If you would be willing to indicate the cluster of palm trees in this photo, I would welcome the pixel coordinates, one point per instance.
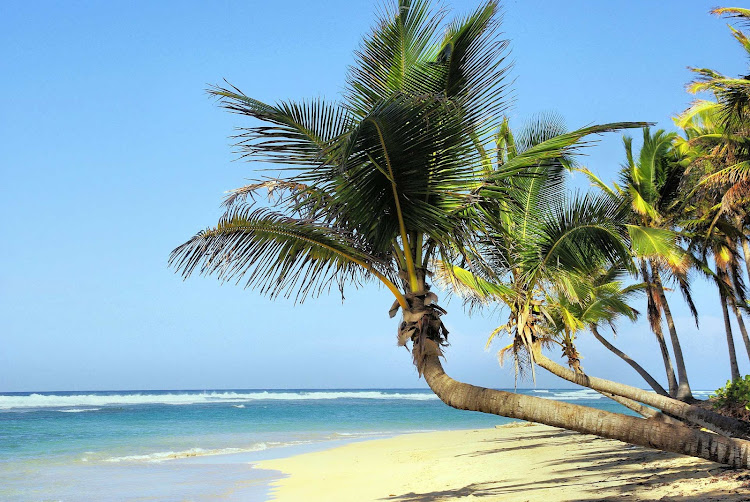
(416, 174)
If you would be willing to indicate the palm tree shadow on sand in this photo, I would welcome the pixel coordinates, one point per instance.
(603, 478)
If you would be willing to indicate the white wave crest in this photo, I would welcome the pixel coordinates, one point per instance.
(186, 398)
(78, 410)
(575, 395)
(193, 452)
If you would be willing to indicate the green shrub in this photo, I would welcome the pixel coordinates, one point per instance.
(733, 398)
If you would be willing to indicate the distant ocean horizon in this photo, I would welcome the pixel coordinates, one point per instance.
(201, 444)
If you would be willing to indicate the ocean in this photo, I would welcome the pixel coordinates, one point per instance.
(200, 445)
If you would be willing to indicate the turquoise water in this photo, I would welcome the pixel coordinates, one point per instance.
(200, 445)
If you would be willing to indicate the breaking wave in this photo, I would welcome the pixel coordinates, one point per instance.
(193, 452)
(78, 401)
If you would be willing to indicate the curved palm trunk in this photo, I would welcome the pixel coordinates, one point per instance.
(733, 368)
(644, 411)
(683, 386)
(649, 433)
(746, 251)
(656, 329)
(689, 413)
(637, 367)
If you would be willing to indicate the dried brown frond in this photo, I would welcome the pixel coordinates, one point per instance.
(273, 186)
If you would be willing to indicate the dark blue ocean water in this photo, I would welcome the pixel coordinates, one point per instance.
(197, 445)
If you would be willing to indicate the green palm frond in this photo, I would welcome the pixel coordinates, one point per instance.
(474, 59)
(475, 290)
(658, 244)
(396, 57)
(562, 146)
(577, 234)
(277, 255)
(409, 161)
(649, 172)
(699, 116)
(302, 134)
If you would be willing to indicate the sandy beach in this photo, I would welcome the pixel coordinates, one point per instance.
(515, 462)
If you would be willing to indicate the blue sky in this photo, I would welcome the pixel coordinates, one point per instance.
(112, 155)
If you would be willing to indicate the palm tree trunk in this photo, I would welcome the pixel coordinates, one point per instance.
(642, 410)
(689, 413)
(683, 387)
(740, 323)
(746, 252)
(656, 328)
(649, 433)
(733, 368)
(740, 320)
(637, 367)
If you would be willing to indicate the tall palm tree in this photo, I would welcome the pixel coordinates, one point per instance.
(391, 178)
(650, 187)
(719, 131)
(716, 209)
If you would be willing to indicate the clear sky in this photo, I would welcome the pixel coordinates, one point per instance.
(112, 155)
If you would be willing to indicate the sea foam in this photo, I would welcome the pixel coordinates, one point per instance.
(77, 401)
(193, 452)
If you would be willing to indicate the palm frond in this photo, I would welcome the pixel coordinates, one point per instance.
(474, 57)
(277, 255)
(473, 289)
(275, 189)
(743, 15)
(578, 235)
(396, 57)
(303, 134)
(658, 244)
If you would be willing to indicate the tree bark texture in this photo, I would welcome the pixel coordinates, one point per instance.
(656, 328)
(716, 422)
(733, 368)
(683, 386)
(649, 433)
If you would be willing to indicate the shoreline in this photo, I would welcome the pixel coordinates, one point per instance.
(513, 462)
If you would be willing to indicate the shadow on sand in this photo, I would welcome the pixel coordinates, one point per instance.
(603, 474)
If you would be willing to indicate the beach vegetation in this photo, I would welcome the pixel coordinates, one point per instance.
(734, 398)
(415, 171)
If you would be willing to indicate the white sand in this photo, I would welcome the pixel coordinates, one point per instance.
(517, 462)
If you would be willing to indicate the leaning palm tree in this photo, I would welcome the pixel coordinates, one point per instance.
(390, 178)
(540, 244)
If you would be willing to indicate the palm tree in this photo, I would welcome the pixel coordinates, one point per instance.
(600, 298)
(718, 131)
(389, 179)
(718, 238)
(733, 94)
(716, 208)
(545, 248)
(649, 187)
